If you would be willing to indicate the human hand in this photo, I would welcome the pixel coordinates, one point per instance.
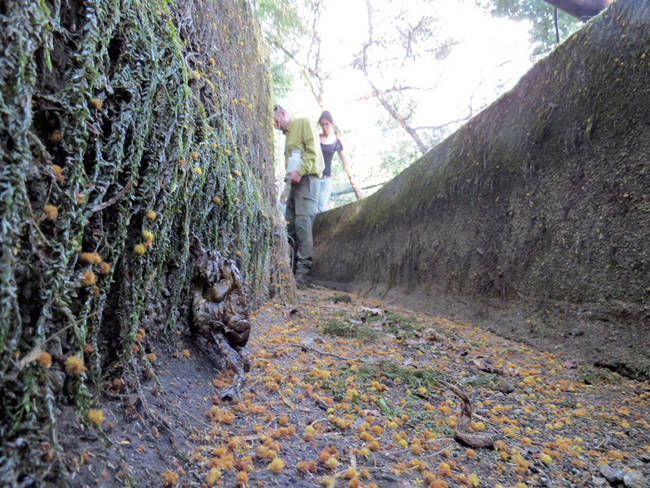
(293, 177)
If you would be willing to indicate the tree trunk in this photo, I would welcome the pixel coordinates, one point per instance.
(124, 127)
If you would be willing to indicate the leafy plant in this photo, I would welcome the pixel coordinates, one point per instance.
(340, 328)
(411, 378)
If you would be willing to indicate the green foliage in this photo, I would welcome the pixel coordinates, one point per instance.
(406, 326)
(388, 370)
(540, 14)
(401, 153)
(592, 375)
(99, 105)
(284, 33)
(340, 297)
(339, 328)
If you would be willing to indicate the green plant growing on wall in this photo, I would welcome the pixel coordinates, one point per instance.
(124, 126)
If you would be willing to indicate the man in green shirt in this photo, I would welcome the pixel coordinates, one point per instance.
(301, 149)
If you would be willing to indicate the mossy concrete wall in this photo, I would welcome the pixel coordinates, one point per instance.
(543, 197)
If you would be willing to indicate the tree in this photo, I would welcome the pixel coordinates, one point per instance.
(399, 38)
(123, 130)
(290, 28)
(547, 25)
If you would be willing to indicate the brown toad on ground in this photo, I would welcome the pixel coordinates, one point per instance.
(220, 310)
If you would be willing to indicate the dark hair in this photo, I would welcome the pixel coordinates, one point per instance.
(327, 116)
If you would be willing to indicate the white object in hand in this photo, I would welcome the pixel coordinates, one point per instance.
(294, 160)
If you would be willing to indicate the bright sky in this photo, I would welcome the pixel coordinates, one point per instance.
(490, 57)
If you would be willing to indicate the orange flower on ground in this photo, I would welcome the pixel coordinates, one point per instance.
(276, 466)
(213, 475)
(169, 478)
(95, 417)
(241, 478)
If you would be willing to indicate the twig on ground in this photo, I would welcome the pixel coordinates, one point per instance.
(439, 439)
(334, 307)
(464, 422)
(305, 347)
(317, 421)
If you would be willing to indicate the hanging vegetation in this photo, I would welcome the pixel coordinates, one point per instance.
(125, 125)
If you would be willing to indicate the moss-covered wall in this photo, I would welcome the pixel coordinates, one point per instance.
(125, 125)
(543, 196)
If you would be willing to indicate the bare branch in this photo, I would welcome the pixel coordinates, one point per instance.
(362, 64)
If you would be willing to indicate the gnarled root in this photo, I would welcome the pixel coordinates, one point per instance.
(464, 420)
(235, 362)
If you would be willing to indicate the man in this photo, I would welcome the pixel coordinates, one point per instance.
(302, 204)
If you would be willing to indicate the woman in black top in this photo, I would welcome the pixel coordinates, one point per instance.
(329, 144)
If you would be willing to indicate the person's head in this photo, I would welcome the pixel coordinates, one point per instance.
(326, 123)
(281, 118)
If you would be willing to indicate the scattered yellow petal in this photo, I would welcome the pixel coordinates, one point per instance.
(213, 475)
(276, 466)
(169, 478)
(327, 481)
(95, 417)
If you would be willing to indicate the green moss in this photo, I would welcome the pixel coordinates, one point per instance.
(340, 328)
(115, 79)
(388, 370)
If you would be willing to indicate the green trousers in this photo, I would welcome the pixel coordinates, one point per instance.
(302, 206)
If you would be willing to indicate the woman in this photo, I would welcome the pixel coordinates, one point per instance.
(330, 144)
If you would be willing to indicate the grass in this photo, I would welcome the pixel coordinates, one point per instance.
(481, 381)
(410, 378)
(340, 328)
(340, 298)
(590, 375)
(407, 327)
